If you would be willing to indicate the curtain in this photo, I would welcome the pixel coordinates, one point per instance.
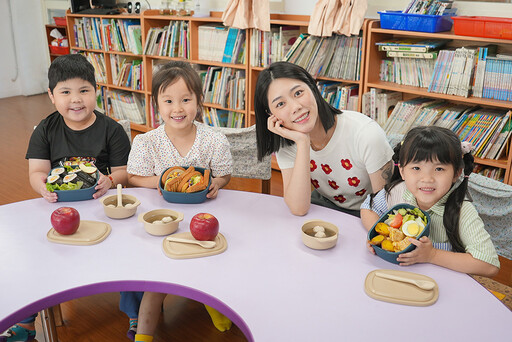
(337, 16)
(244, 14)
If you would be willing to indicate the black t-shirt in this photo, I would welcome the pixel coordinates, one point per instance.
(105, 142)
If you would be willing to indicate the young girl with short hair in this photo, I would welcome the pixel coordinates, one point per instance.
(181, 140)
(432, 168)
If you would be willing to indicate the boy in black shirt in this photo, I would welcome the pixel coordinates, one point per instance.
(76, 132)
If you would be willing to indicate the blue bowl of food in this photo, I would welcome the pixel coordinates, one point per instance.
(182, 184)
(390, 235)
(73, 183)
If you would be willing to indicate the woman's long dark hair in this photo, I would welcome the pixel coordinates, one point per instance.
(430, 143)
(267, 141)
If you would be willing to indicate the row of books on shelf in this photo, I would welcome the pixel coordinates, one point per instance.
(219, 43)
(108, 34)
(127, 72)
(428, 7)
(272, 46)
(407, 71)
(98, 62)
(378, 104)
(224, 86)
(222, 118)
(172, 40)
(335, 57)
(126, 106)
(487, 129)
(340, 95)
(88, 33)
(471, 70)
(123, 35)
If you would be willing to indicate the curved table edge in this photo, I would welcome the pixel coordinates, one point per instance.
(126, 285)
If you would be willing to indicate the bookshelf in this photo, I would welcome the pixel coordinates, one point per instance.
(302, 22)
(372, 69)
(57, 51)
(112, 45)
(183, 34)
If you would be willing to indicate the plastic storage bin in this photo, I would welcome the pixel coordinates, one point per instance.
(396, 20)
(61, 21)
(489, 27)
(59, 50)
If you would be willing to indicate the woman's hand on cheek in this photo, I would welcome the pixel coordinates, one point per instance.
(275, 125)
(424, 252)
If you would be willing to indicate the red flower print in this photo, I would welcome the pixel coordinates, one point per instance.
(327, 169)
(315, 183)
(340, 198)
(312, 165)
(333, 185)
(347, 165)
(353, 181)
(361, 192)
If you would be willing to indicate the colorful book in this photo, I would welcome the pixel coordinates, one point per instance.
(411, 44)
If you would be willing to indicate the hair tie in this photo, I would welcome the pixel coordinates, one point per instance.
(466, 147)
(396, 164)
(466, 176)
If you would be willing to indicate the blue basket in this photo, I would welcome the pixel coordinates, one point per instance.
(186, 197)
(396, 20)
(391, 256)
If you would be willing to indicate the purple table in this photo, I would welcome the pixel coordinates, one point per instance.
(267, 282)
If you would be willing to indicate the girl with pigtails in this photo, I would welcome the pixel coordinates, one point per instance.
(432, 168)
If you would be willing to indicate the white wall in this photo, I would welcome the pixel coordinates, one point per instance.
(23, 48)
(26, 75)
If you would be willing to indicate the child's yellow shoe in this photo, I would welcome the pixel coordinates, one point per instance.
(221, 322)
(143, 338)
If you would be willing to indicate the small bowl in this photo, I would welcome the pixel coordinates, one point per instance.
(185, 197)
(116, 212)
(161, 228)
(392, 256)
(310, 240)
(76, 195)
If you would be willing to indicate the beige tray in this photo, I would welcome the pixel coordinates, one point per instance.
(179, 250)
(398, 292)
(88, 233)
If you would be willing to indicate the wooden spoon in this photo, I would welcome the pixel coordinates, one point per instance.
(119, 196)
(422, 284)
(204, 244)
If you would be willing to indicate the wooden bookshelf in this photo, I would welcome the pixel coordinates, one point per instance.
(153, 19)
(97, 47)
(372, 69)
(60, 50)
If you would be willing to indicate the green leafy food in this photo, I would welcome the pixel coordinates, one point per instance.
(64, 186)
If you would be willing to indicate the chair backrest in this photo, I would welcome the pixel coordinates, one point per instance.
(493, 201)
(245, 155)
(127, 128)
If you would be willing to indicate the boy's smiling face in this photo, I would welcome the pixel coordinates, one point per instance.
(75, 100)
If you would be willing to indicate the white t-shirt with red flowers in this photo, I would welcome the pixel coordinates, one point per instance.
(340, 171)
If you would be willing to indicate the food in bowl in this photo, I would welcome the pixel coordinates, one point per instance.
(72, 177)
(177, 179)
(319, 234)
(391, 235)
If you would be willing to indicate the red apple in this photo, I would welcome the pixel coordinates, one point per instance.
(65, 220)
(204, 226)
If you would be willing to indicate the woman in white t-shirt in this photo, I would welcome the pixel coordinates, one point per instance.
(344, 155)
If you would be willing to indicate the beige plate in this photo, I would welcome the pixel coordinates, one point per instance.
(179, 250)
(399, 292)
(88, 233)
